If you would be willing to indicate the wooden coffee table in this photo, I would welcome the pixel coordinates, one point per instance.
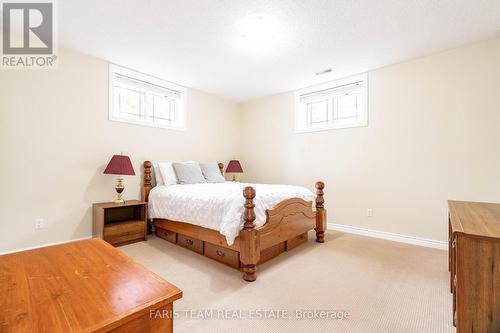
(84, 286)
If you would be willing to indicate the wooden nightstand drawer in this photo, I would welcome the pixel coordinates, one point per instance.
(193, 244)
(223, 255)
(120, 224)
(167, 235)
(120, 232)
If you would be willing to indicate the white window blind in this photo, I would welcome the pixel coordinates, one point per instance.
(338, 104)
(141, 99)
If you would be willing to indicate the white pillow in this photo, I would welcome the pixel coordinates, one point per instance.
(158, 178)
(167, 173)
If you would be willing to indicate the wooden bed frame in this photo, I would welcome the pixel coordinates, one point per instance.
(286, 227)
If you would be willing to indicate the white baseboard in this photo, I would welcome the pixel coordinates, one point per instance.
(390, 236)
(45, 245)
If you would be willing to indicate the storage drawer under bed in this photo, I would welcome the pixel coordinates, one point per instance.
(296, 241)
(221, 254)
(224, 255)
(271, 252)
(190, 243)
(167, 235)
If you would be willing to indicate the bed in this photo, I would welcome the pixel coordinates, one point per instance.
(228, 223)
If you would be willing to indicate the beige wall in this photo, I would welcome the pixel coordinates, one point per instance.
(433, 135)
(55, 141)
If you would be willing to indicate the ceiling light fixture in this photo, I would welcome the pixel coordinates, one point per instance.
(325, 71)
(258, 28)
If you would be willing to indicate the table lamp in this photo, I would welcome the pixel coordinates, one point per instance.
(233, 167)
(119, 165)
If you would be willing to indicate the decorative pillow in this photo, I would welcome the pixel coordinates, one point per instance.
(211, 172)
(189, 173)
(168, 176)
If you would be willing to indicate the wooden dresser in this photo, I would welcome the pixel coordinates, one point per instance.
(84, 286)
(474, 264)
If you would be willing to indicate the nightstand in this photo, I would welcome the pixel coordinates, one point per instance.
(120, 224)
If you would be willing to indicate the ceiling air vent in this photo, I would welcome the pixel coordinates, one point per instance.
(324, 71)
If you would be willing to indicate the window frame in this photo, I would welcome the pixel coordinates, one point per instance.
(300, 126)
(148, 79)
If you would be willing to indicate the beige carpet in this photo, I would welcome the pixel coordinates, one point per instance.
(384, 286)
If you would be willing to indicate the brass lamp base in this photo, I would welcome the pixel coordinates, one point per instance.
(235, 177)
(119, 189)
(119, 201)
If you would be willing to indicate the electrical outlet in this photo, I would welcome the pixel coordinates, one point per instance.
(39, 223)
(369, 212)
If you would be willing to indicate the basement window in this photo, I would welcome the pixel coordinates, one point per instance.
(338, 104)
(141, 99)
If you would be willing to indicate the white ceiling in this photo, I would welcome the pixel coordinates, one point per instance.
(199, 44)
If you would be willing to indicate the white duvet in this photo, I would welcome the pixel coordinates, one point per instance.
(218, 206)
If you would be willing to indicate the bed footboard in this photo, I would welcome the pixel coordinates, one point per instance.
(288, 220)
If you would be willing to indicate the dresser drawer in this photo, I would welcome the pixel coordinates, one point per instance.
(271, 252)
(226, 256)
(121, 232)
(296, 241)
(167, 235)
(190, 243)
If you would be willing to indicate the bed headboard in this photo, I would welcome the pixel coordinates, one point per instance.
(148, 185)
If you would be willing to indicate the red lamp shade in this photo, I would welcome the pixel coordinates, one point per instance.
(120, 165)
(234, 166)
